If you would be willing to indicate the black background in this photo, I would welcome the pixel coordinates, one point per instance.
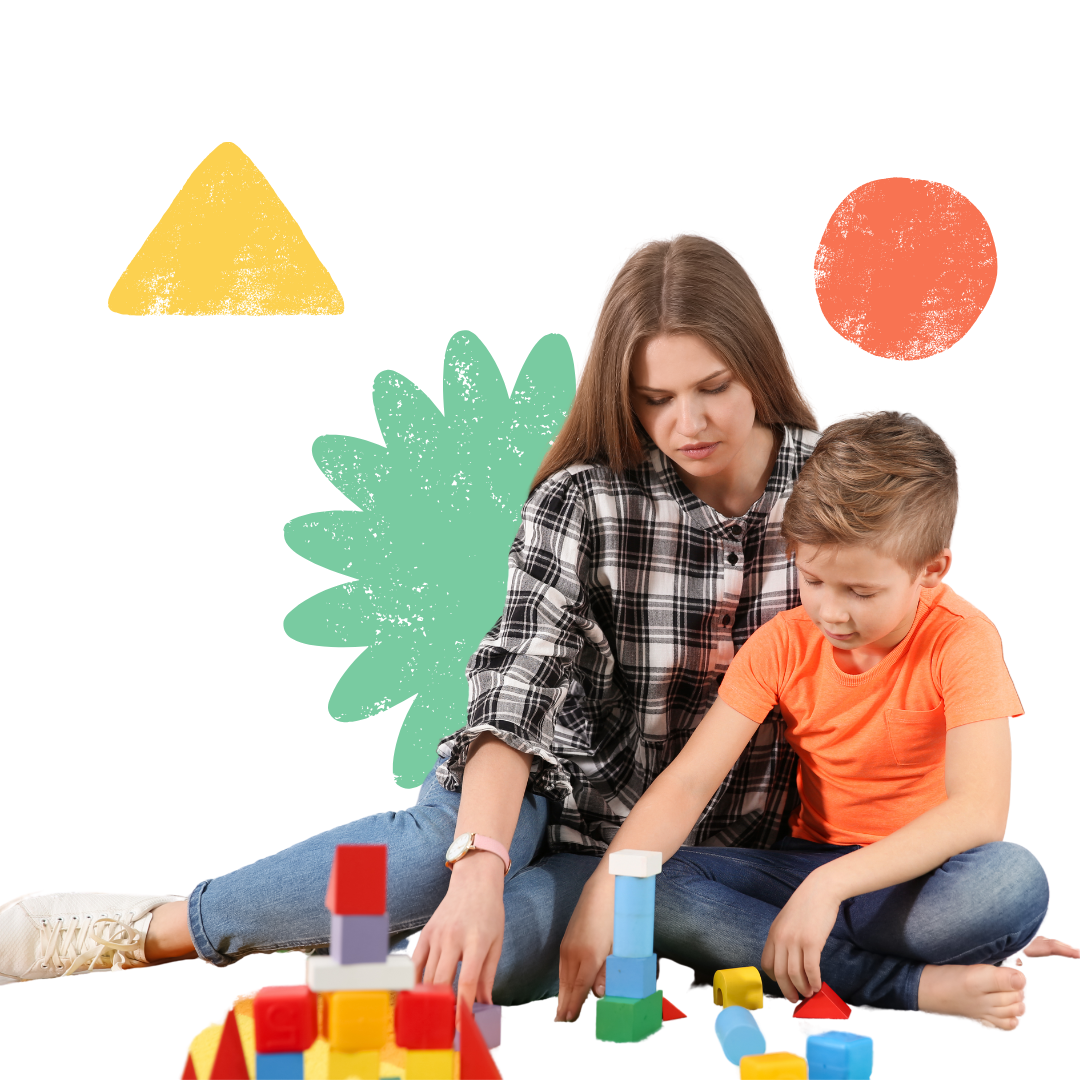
(176, 732)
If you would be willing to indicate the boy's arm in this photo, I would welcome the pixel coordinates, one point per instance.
(660, 821)
(977, 776)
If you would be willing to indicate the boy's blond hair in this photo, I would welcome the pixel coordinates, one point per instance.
(883, 479)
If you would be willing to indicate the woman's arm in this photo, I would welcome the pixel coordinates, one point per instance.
(660, 821)
(468, 924)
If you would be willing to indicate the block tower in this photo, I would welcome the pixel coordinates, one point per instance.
(345, 1024)
(631, 1008)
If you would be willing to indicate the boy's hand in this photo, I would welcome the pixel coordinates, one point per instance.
(586, 944)
(792, 953)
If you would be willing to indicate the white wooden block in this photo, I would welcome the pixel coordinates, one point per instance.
(631, 863)
(324, 974)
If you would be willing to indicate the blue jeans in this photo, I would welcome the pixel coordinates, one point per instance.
(714, 907)
(278, 902)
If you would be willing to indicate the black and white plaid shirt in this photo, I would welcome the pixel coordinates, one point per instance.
(626, 601)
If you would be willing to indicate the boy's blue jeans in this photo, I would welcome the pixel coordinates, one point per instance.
(714, 906)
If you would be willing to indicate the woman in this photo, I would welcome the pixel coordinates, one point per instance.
(649, 551)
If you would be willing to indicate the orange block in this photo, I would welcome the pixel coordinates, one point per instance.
(356, 1019)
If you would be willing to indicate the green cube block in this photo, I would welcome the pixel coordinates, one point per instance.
(620, 1019)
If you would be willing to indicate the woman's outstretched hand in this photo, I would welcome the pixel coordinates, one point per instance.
(466, 926)
(792, 953)
(586, 944)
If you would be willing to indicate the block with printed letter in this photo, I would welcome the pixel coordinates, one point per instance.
(358, 1019)
(826, 1004)
(489, 1021)
(286, 1019)
(357, 883)
(630, 862)
(630, 976)
(635, 904)
(359, 939)
(324, 975)
(628, 1019)
(279, 1066)
(773, 1067)
(840, 1055)
(424, 1018)
(429, 1064)
(738, 1033)
(738, 986)
(353, 1065)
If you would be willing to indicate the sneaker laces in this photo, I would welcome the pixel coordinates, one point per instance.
(87, 943)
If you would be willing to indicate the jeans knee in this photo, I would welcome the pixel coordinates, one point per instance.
(1016, 878)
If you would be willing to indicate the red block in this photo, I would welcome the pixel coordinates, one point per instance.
(286, 1019)
(229, 1061)
(424, 1018)
(476, 1060)
(189, 1070)
(358, 880)
(826, 1004)
(670, 1012)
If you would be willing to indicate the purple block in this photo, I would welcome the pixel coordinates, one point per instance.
(489, 1020)
(359, 939)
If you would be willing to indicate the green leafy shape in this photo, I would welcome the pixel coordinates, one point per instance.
(436, 511)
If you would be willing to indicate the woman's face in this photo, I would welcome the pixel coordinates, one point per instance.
(690, 404)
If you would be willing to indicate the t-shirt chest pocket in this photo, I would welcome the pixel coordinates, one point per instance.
(916, 738)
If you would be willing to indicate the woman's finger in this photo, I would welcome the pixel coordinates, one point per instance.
(446, 966)
(485, 986)
(421, 953)
(471, 965)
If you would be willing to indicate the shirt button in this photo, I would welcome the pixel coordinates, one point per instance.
(736, 530)
(726, 620)
(733, 558)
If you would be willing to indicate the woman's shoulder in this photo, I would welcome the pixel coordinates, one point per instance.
(797, 445)
(589, 481)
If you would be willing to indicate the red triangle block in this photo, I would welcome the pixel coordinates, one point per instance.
(189, 1070)
(670, 1012)
(229, 1062)
(826, 1004)
(476, 1060)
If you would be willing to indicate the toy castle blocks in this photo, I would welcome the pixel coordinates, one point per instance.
(773, 1067)
(839, 1055)
(738, 986)
(826, 1004)
(738, 1033)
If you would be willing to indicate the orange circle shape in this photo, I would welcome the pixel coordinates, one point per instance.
(905, 267)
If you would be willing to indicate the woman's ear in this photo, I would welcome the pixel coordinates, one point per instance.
(936, 569)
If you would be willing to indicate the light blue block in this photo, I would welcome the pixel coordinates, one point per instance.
(839, 1055)
(635, 896)
(633, 935)
(630, 976)
(279, 1066)
(738, 1033)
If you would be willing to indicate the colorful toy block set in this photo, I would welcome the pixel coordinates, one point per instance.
(360, 1015)
(632, 1008)
(345, 1000)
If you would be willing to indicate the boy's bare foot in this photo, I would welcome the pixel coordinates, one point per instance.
(990, 994)
(1048, 946)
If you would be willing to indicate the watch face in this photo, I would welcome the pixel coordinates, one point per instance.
(458, 847)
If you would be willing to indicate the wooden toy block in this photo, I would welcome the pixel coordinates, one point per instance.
(489, 1020)
(189, 1070)
(325, 976)
(476, 1062)
(826, 1004)
(229, 1061)
(429, 1064)
(357, 883)
(286, 1019)
(359, 939)
(631, 862)
(424, 1019)
(357, 1019)
(840, 1055)
(773, 1067)
(738, 986)
(352, 1065)
(630, 976)
(288, 1066)
(670, 1012)
(628, 1019)
(738, 1033)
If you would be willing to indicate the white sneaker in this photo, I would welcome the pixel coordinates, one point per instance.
(48, 934)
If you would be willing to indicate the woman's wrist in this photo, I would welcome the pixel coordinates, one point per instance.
(479, 866)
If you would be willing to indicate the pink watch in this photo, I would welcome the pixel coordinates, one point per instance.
(471, 841)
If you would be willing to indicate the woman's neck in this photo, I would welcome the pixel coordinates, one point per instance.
(742, 483)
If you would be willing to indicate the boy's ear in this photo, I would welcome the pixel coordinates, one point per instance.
(936, 569)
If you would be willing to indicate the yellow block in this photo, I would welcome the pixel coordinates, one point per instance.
(429, 1064)
(226, 246)
(772, 1067)
(738, 986)
(356, 1019)
(359, 1065)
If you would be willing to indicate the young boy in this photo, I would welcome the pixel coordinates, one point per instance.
(895, 886)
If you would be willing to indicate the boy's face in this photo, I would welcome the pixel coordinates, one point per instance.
(858, 597)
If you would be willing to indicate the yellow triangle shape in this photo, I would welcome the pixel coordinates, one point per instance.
(226, 246)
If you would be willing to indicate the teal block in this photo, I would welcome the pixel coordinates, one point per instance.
(630, 976)
(620, 1019)
(839, 1055)
(738, 1033)
(279, 1066)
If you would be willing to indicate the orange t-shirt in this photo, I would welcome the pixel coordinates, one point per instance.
(871, 747)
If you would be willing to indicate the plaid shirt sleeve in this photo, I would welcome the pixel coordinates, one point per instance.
(627, 599)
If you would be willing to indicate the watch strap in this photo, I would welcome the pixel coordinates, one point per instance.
(485, 843)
